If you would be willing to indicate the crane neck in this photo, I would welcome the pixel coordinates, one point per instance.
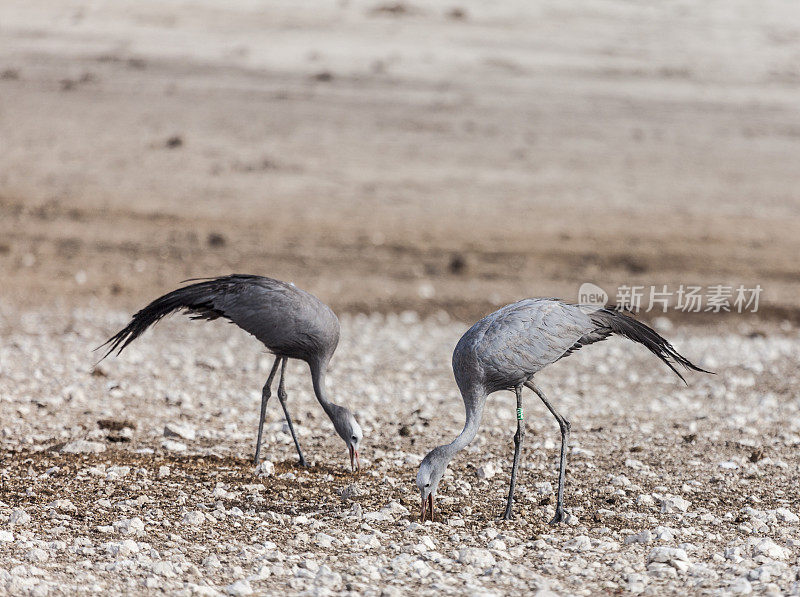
(473, 404)
(318, 370)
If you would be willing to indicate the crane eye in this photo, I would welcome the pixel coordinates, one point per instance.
(427, 484)
(354, 438)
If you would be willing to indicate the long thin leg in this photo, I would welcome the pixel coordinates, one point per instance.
(282, 398)
(265, 394)
(563, 424)
(518, 437)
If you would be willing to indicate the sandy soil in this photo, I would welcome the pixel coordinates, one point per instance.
(709, 469)
(398, 156)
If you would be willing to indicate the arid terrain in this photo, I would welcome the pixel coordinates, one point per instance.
(415, 165)
(136, 476)
(394, 156)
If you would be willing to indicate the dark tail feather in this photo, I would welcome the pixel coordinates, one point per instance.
(637, 331)
(197, 298)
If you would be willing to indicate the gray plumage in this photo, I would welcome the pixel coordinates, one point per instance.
(504, 350)
(290, 322)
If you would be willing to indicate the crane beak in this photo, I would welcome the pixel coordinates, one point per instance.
(355, 463)
(426, 507)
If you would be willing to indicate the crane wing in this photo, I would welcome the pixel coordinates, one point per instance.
(524, 337)
(286, 319)
(520, 339)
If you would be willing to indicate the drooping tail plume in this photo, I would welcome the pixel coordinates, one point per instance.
(618, 323)
(196, 298)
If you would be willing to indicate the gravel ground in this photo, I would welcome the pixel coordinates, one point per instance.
(135, 475)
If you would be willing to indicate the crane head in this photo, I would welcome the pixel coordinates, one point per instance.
(431, 471)
(350, 431)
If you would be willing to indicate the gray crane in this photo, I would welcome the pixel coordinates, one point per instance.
(290, 322)
(505, 349)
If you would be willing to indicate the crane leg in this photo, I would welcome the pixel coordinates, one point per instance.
(563, 424)
(518, 437)
(265, 394)
(282, 398)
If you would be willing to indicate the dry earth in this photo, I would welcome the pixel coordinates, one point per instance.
(443, 157)
(453, 155)
(671, 488)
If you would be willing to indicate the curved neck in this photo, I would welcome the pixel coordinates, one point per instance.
(318, 370)
(473, 404)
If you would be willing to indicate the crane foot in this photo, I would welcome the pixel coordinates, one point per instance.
(559, 517)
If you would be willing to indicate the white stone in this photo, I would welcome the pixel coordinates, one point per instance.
(664, 533)
(427, 542)
(181, 430)
(62, 506)
(763, 573)
(262, 573)
(38, 556)
(674, 503)
(194, 518)
(240, 587)
(661, 570)
(117, 472)
(395, 508)
(173, 446)
(770, 549)
(163, 471)
(786, 515)
(620, 481)
(579, 543)
(741, 586)
(370, 541)
(123, 548)
(19, 517)
(420, 568)
(497, 544)
(674, 556)
(456, 522)
(378, 516)
(83, 446)
(645, 499)
(733, 553)
(129, 526)
(202, 590)
(163, 568)
(486, 471)
(482, 558)
(265, 469)
(323, 540)
(326, 577)
(644, 537)
(636, 582)
(351, 491)
(6, 536)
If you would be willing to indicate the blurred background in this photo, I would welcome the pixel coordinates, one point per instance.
(452, 155)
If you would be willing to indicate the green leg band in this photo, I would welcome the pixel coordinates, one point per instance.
(519, 414)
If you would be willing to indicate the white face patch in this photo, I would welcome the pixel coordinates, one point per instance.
(424, 481)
